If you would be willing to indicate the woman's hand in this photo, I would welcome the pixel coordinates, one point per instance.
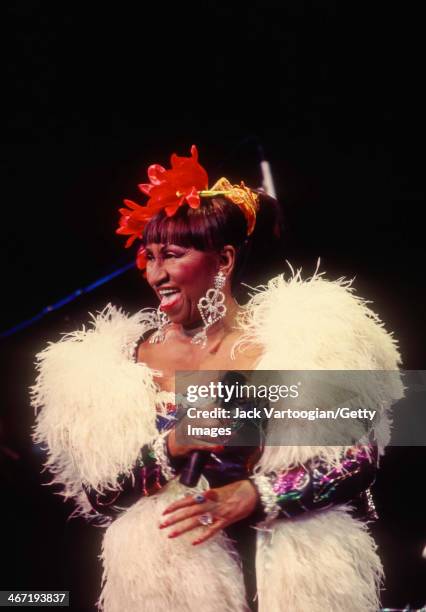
(226, 505)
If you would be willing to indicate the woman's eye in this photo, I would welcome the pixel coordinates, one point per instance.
(170, 254)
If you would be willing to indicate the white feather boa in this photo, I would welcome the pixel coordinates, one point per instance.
(96, 407)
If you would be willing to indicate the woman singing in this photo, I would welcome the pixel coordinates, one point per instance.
(107, 407)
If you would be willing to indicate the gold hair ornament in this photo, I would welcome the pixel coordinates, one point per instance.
(246, 200)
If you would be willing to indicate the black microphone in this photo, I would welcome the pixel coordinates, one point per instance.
(191, 472)
(193, 468)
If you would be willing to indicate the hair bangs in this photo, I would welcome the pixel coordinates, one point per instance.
(205, 228)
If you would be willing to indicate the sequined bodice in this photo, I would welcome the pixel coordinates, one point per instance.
(166, 409)
(166, 416)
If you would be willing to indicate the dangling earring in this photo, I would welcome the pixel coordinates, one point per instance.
(161, 321)
(212, 308)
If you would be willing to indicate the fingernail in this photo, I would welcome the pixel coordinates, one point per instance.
(195, 542)
(173, 534)
(166, 511)
(162, 525)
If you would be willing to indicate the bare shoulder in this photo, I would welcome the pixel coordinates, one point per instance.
(154, 353)
(250, 349)
(244, 357)
(247, 356)
(148, 351)
(143, 350)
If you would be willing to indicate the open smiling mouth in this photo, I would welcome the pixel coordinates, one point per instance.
(169, 298)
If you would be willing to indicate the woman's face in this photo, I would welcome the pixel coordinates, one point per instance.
(186, 272)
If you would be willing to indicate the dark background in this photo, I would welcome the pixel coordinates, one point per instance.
(93, 95)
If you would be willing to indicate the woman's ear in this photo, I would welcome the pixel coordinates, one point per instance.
(227, 259)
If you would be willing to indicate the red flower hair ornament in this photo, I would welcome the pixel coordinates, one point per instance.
(186, 182)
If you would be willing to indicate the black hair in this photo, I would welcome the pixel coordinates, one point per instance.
(218, 222)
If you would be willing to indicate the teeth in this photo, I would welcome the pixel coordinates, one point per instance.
(168, 291)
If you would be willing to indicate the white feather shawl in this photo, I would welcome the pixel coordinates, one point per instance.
(95, 408)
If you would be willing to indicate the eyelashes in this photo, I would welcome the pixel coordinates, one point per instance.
(165, 253)
(166, 256)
